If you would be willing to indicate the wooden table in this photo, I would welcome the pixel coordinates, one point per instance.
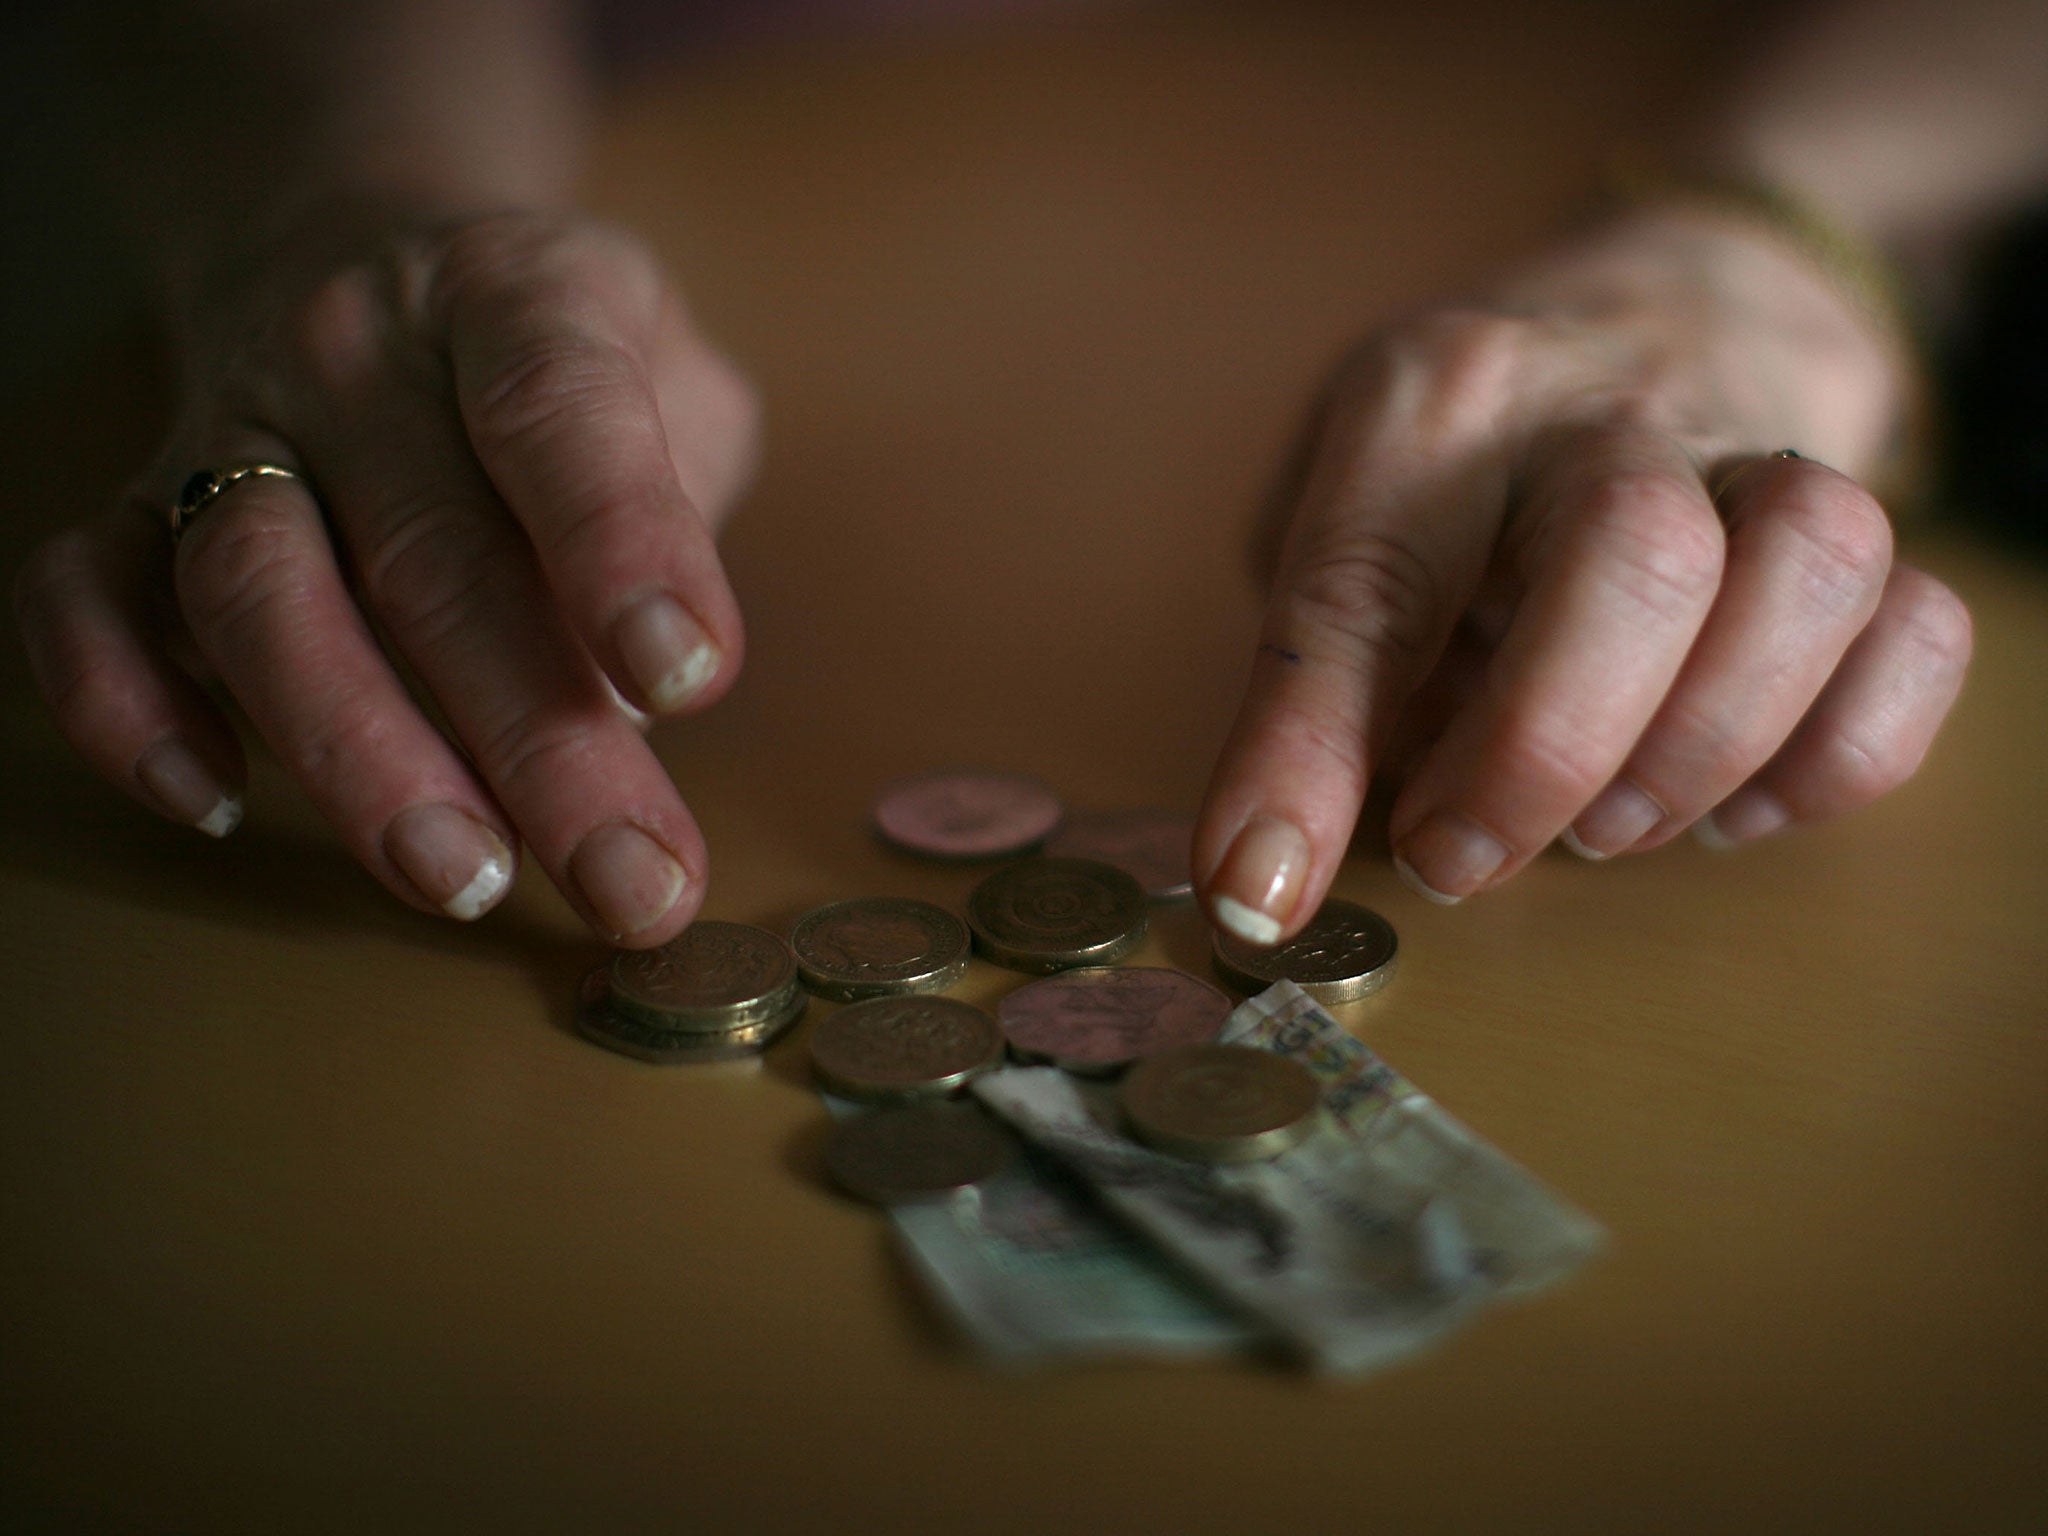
(316, 1215)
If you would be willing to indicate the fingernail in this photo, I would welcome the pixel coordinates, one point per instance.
(1742, 818)
(187, 788)
(666, 652)
(1617, 819)
(1256, 886)
(452, 859)
(629, 879)
(1447, 858)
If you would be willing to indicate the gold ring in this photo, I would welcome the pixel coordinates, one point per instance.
(1720, 487)
(204, 487)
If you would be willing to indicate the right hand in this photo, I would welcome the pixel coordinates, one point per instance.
(520, 449)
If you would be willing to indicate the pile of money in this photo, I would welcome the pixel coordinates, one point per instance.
(1117, 1161)
(714, 992)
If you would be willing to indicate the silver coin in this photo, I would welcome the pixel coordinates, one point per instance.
(1046, 915)
(874, 946)
(711, 976)
(1097, 1020)
(600, 1021)
(916, 1152)
(903, 1047)
(1149, 845)
(1343, 953)
(967, 813)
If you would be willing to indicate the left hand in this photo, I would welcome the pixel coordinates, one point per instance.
(1545, 551)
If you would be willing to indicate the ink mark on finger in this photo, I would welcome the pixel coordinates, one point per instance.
(1284, 655)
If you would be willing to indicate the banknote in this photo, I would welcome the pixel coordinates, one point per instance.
(1032, 1270)
(1383, 1130)
(1385, 1230)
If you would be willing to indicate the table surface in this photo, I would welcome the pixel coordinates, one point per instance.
(317, 1214)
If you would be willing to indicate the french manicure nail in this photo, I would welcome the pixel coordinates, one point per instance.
(1619, 818)
(452, 859)
(630, 880)
(1743, 817)
(187, 789)
(1448, 857)
(1256, 886)
(666, 652)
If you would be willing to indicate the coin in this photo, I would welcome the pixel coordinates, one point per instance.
(1097, 1020)
(915, 1152)
(902, 1047)
(872, 946)
(1046, 915)
(711, 976)
(599, 1020)
(1220, 1103)
(1149, 845)
(1345, 952)
(967, 813)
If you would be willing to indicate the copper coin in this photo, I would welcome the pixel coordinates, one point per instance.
(1220, 1103)
(903, 1047)
(872, 946)
(1151, 846)
(1047, 915)
(601, 1022)
(967, 813)
(1344, 952)
(1097, 1019)
(916, 1152)
(712, 975)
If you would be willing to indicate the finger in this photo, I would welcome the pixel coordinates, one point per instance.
(1383, 552)
(266, 603)
(1808, 552)
(85, 605)
(1621, 553)
(710, 415)
(550, 341)
(456, 586)
(1872, 724)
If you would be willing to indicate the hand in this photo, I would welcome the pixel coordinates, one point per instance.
(1543, 557)
(514, 450)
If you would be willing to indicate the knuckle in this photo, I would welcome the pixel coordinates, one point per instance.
(1666, 547)
(1843, 543)
(429, 571)
(47, 590)
(1471, 358)
(1450, 370)
(335, 333)
(549, 751)
(54, 573)
(239, 564)
(1554, 756)
(1697, 746)
(1936, 621)
(1372, 594)
(349, 737)
(548, 391)
(1859, 765)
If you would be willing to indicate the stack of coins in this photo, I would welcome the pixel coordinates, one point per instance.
(1344, 952)
(876, 946)
(714, 992)
(1046, 915)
